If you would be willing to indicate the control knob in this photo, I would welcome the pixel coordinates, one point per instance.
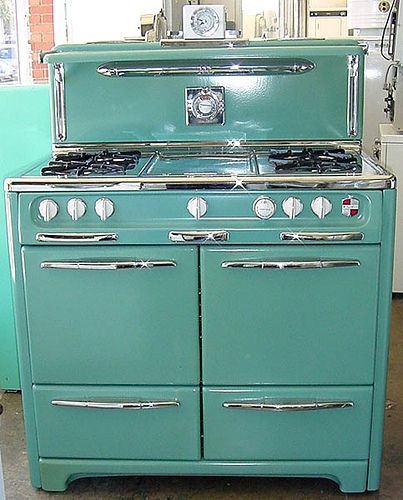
(321, 206)
(48, 209)
(76, 208)
(292, 207)
(104, 208)
(197, 207)
(264, 207)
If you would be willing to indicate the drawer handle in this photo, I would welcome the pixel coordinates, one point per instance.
(75, 237)
(136, 405)
(307, 264)
(321, 236)
(108, 266)
(306, 406)
(198, 236)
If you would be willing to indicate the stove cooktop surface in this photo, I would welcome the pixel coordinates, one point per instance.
(221, 162)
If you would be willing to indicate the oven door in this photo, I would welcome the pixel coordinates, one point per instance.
(127, 315)
(289, 314)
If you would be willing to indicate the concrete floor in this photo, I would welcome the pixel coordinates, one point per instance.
(17, 484)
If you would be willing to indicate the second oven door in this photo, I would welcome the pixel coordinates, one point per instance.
(126, 315)
(289, 314)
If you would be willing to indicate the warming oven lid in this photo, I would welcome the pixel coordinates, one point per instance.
(255, 91)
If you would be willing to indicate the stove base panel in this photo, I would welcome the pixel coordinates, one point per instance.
(57, 474)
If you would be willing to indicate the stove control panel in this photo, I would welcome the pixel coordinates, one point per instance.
(48, 209)
(76, 208)
(104, 208)
(321, 207)
(264, 207)
(292, 207)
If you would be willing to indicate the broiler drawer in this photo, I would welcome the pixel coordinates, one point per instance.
(108, 422)
(287, 423)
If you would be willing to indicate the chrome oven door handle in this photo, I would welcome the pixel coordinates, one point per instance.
(106, 405)
(107, 265)
(75, 237)
(289, 264)
(289, 236)
(280, 407)
(198, 236)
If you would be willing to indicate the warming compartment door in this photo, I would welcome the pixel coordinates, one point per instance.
(126, 315)
(289, 315)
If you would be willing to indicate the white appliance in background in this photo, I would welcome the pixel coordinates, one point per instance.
(392, 159)
(364, 15)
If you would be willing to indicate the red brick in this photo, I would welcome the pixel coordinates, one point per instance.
(35, 19)
(33, 3)
(42, 9)
(47, 2)
(46, 28)
(37, 46)
(48, 38)
(35, 37)
(47, 18)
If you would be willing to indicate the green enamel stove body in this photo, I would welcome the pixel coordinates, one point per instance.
(171, 328)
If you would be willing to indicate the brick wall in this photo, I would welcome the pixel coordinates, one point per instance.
(41, 35)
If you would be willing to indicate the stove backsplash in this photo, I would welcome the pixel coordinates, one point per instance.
(127, 92)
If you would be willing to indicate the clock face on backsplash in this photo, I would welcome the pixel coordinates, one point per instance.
(203, 21)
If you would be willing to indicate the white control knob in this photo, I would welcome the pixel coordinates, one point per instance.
(104, 208)
(292, 207)
(321, 206)
(264, 207)
(197, 207)
(76, 208)
(48, 209)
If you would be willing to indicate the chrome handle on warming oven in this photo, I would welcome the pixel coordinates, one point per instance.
(60, 105)
(136, 405)
(306, 264)
(108, 266)
(198, 236)
(352, 97)
(246, 67)
(297, 406)
(288, 236)
(75, 237)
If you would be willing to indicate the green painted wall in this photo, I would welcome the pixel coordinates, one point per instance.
(24, 139)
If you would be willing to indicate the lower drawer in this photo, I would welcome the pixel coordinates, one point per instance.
(118, 422)
(287, 423)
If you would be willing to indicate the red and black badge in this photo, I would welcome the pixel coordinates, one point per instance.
(350, 207)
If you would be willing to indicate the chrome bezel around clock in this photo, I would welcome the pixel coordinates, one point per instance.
(193, 96)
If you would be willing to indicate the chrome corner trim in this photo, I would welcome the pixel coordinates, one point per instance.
(198, 236)
(60, 104)
(225, 67)
(75, 237)
(352, 97)
(290, 236)
(106, 405)
(285, 407)
(307, 264)
(107, 265)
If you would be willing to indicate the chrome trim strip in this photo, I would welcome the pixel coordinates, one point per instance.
(198, 236)
(108, 266)
(290, 236)
(60, 104)
(285, 407)
(246, 67)
(211, 43)
(352, 95)
(75, 237)
(136, 405)
(307, 264)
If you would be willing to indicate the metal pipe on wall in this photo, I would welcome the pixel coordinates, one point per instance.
(293, 18)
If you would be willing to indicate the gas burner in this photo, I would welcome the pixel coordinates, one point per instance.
(107, 163)
(313, 161)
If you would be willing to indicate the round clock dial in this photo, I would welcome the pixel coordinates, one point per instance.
(205, 21)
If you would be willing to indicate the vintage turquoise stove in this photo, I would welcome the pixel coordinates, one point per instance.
(202, 273)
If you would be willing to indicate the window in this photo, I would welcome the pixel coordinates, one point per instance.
(9, 65)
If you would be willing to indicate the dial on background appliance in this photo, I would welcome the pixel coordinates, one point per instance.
(193, 198)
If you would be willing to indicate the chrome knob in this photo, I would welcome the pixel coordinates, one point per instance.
(321, 206)
(197, 207)
(292, 207)
(104, 208)
(48, 209)
(76, 208)
(264, 207)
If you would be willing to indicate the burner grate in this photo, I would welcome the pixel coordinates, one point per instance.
(98, 164)
(313, 161)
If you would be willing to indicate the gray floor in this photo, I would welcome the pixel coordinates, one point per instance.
(183, 488)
